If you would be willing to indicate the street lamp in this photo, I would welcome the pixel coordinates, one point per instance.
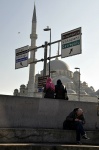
(79, 83)
(49, 29)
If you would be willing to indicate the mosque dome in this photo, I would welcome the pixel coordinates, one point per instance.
(57, 65)
(64, 79)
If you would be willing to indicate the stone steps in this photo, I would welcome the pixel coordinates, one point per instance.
(29, 135)
(33, 146)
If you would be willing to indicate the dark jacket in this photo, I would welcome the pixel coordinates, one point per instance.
(49, 93)
(70, 120)
(60, 92)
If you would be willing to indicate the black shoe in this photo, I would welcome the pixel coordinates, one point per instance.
(78, 143)
(85, 137)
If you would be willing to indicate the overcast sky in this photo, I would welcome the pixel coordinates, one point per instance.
(61, 16)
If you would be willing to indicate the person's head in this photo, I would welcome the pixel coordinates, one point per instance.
(59, 82)
(49, 84)
(79, 112)
(49, 80)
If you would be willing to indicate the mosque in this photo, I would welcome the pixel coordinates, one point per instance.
(59, 70)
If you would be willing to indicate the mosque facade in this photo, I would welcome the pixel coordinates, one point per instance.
(59, 70)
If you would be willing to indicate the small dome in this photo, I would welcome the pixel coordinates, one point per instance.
(64, 79)
(97, 93)
(16, 91)
(89, 90)
(22, 86)
(91, 87)
(84, 83)
(57, 65)
(76, 72)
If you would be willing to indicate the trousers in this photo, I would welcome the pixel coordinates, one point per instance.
(79, 130)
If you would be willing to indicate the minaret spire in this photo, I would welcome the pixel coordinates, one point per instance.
(33, 37)
(34, 14)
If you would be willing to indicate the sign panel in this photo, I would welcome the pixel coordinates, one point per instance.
(71, 43)
(42, 82)
(21, 57)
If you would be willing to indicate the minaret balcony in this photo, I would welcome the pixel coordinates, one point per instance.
(33, 36)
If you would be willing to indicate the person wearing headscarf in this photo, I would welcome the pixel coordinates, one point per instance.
(49, 88)
(60, 90)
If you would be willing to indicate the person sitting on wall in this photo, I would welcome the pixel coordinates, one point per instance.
(60, 91)
(49, 89)
(75, 121)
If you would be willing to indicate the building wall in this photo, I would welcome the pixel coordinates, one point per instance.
(83, 98)
(16, 111)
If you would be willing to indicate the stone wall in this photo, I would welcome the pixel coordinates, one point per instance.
(16, 112)
(73, 97)
(29, 135)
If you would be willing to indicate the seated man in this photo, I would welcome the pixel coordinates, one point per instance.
(75, 121)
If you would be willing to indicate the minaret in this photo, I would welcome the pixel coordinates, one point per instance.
(33, 37)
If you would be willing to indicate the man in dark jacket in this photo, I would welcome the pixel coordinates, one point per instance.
(75, 121)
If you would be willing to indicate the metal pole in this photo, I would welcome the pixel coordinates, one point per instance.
(42, 46)
(45, 59)
(78, 85)
(49, 52)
